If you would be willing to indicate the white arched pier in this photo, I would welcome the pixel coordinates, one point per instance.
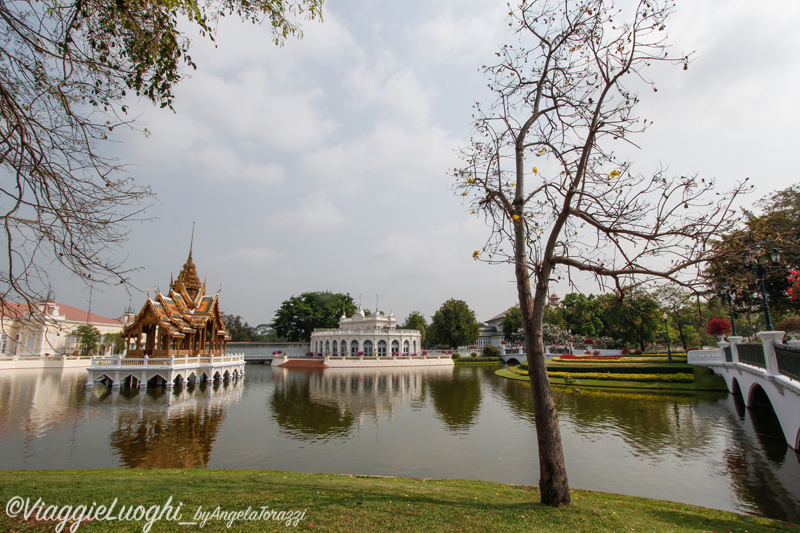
(126, 372)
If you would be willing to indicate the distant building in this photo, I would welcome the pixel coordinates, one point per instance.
(50, 328)
(372, 335)
(492, 330)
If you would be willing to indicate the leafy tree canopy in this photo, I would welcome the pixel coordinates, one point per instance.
(453, 325)
(778, 226)
(89, 338)
(298, 316)
(416, 320)
(239, 329)
(512, 325)
(633, 320)
(581, 314)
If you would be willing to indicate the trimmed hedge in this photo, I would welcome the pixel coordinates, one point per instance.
(619, 369)
(659, 378)
(682, 377)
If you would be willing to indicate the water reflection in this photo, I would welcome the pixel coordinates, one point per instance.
(457, 399)
(161, 428)
(322, 404)
(38, 402)
(764, 470)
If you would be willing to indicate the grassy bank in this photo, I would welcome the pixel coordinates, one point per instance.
(347, 503)
(703, 381)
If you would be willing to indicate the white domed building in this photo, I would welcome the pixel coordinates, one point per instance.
(375, 335)
(362, 340)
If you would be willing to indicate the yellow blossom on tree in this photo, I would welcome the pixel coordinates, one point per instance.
(471, 180)
(472, 212)
(535, 170)
(475, 254)
(464, 194)
(515, 217)
(614, 173)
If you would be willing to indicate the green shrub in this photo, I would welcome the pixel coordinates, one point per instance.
(490, 351)
(456, 356)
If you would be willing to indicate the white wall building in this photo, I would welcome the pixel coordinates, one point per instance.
(50, 328)
(375, 335)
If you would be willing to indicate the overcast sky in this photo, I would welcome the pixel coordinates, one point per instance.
(323, 165)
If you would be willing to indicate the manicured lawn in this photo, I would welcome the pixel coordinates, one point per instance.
(703, 381)
(347, 503)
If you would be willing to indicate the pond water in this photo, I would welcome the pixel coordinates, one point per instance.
(466, 422)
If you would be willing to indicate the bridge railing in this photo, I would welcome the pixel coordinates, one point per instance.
(728, 354)
(752, 354)
(788, 361)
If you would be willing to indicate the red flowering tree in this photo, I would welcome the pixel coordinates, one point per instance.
(718, 327)
(588, 341)
(794, 290)
(790, 324)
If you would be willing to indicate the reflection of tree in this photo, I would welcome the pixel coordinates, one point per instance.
(647, 426)
(760, 463)
(296, 411)
(457, 400)
(154, 439)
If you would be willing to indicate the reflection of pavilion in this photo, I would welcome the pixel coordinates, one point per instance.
(168, 429)
(175, 338)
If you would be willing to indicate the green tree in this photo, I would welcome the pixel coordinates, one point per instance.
(512, 325)
(416, 320)
(67, 70)
(239, 329)
(543, 169)
(555, 316)
(685, 312)
(453, 325)
(778, 226)
(89, 338)
(633, 320)
(582, 315)
(117, 342)
(298, 316)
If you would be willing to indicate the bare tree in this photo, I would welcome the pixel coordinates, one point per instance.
(565, 97)
(66, 69)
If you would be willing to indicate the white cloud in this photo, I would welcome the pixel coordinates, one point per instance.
(312, 216)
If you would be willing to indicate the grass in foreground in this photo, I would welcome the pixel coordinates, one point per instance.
(349, 503)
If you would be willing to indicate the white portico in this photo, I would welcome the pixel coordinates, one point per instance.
(375, 335)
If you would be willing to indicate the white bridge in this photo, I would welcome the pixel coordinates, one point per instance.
(766, 372)
(165, 371)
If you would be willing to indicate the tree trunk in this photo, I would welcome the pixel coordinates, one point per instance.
(553, 483)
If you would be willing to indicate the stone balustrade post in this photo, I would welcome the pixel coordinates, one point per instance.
(722, 345)
(768, 339)
(145, 360)
(735, 340)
